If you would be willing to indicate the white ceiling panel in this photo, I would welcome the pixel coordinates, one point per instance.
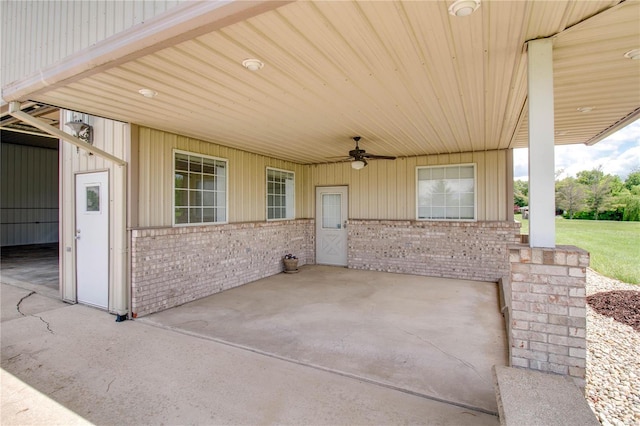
(406, 76)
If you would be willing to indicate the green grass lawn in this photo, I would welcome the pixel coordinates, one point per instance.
(614, 246)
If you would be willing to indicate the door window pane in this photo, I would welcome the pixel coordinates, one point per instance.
(93, 198)
(331, 211)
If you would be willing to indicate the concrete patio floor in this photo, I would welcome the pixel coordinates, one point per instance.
(72, 364)
(431, 337)
(324, 346)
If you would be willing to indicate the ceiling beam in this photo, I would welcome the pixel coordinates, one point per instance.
(27, 132)
(14, 110)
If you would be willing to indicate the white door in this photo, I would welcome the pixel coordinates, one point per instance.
(92, 238)
(331, 225)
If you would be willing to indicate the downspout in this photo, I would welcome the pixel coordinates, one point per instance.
(122, 297)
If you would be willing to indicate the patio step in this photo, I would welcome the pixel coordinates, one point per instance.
(527, 397)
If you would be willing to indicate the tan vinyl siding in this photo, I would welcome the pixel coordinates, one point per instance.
(114, 138)
(387, 189)
(246, 179)
(382, 190)
(44, 32)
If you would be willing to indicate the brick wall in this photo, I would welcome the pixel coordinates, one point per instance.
(548, 310)
(172, 266)
(464, 250)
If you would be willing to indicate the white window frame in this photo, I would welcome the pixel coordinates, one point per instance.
(173, 185)
(475, 192)
(291, 202)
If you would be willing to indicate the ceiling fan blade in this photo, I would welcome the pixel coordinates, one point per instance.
(378, 157)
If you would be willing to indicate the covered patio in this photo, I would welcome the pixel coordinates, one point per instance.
(432, 337)
(440, 92)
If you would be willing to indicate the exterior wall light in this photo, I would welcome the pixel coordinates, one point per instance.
(462, 8)
(81, 130)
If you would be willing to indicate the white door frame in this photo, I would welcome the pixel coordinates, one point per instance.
(331, 238)
(92, 242)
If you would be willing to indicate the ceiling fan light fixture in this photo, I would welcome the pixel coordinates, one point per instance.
(463, 8)
(358, 164)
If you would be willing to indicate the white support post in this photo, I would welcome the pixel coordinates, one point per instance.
(542, 226)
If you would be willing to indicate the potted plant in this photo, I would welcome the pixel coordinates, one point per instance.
(290, 263)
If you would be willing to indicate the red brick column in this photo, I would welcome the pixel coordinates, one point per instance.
(547, 318)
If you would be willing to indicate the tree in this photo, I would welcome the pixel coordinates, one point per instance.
(632, 209)
(627, 203)
(521, 193)
(590, 177)
(616, 185)
(632, 180)
(570, 196)
(598, 189)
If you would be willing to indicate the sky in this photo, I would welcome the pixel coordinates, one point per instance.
(618, 154)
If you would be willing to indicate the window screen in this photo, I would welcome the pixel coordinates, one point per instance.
(446, 192)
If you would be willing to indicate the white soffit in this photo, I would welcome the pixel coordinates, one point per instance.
(406, 76)
(591, 72)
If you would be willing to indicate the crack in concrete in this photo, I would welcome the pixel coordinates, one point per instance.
(37, 316)
(13, 357)
(45, 322)
(20, 301)
(463, 362)
(109, 385)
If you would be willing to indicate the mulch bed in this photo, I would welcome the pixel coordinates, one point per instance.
(621, 305)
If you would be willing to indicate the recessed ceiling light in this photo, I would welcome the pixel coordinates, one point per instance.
(253, 64)
(633, 54)
(463, 7)
(148, 93)
(586, 109)
(561, 132)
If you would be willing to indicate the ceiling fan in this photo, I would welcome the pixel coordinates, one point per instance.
(360, 156)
